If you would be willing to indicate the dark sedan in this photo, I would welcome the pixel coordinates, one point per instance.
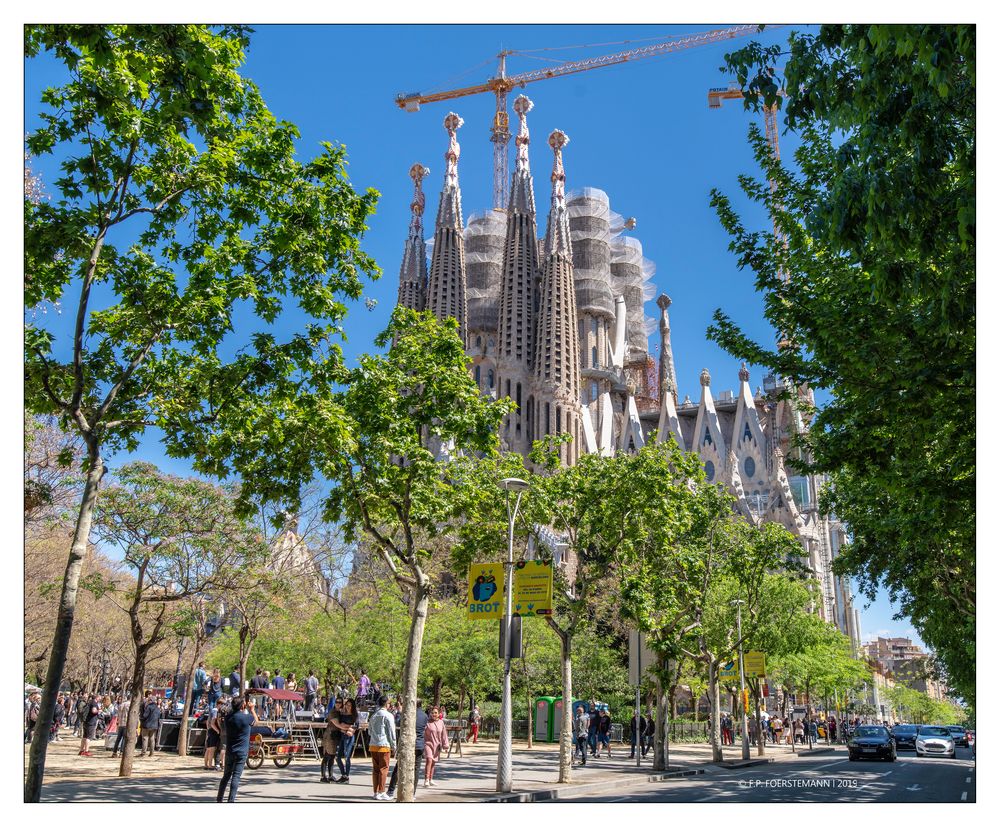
(872, 742)
(959, 735)
(905, 736)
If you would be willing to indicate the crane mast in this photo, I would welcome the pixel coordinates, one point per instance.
(501, 84)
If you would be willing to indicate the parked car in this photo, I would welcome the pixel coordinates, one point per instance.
(934, 740)
(871, 742)
(905, 736)
(959, 735)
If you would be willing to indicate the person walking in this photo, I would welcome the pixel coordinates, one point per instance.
(82, 705)
(331, 742)
(382, 741)
(123, 708)
(348, 722)
(88, 726)
(649, 733)
(238, 725)
(435, 740)
(149, 721)
(213, 729)
(421, 727)
(594, 716)
(58, 716)
(198, 686)
(475, 719)
(235, 682)
(604, 731)
(581, 732)
(635, 726)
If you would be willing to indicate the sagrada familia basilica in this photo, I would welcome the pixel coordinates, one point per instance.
(557, 323)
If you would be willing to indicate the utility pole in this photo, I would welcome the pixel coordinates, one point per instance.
(743, 685)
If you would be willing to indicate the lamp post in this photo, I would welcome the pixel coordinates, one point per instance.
(743, 686)
(504, 757)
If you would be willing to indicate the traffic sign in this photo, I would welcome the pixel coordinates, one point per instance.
(533, 588)
(486, 592)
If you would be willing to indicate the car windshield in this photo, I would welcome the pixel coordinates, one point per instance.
(905, 728)
(934, 730)
(870, 732)
(956, 729)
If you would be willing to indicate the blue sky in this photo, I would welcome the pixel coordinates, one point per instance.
(641, 131)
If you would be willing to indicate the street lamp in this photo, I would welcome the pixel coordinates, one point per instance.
(504, 757)
(743, 686)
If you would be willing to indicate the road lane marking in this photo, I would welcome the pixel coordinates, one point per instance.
(965, 795)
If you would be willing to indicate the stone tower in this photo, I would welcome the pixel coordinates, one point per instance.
(413, 271)
(517, 295)
(446, 285)
(557, 343)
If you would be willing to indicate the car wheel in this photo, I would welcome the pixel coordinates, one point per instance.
(852, 757)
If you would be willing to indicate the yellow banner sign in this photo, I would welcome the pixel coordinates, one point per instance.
(533, 588)
(753, 664)
(486, 594)
(729, 671)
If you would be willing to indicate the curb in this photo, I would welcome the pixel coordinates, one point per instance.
(739, 764)
(820, 751)
(552, 794)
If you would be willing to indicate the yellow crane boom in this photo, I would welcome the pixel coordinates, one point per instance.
(501, 84)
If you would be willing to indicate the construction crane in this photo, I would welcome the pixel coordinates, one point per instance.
(501, 84)
(716, 96)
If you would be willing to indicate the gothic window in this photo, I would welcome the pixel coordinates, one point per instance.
(710, 470)
(593, 356)
(593, 390)
(519, 397)
(490, 379)
(479, 341)
(593, 326)
(747, 436)
(750, 467)
(490, 344)
(547, 411)
(708, 438)
(507, 394)
(478, 372)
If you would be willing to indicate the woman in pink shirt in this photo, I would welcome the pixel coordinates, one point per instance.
(435, 739)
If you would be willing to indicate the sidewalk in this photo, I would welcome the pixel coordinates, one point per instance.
(471, 778)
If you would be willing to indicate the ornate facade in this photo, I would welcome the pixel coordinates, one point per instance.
(558, 325)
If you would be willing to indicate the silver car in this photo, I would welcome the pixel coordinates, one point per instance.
(935, 740)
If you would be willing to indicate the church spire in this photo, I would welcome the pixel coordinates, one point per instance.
(446, 285)
(413, 271)
(668, 377)
(518, 282)
(557, 340)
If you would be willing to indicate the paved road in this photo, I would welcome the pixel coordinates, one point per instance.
(823, 778)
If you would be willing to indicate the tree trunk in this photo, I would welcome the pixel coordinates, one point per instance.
(713, 693)
(566, 736)
(531, 710)
(134, 710)
(188, 693)
(661, 733)
(436, 692)
(672, 701)
(64, 625)
(406, 743)
(756, 712)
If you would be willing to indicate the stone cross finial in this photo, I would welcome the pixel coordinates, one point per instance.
(557, 140)
(744, 373)
(706, 378)
(452, 123)
(522, 106)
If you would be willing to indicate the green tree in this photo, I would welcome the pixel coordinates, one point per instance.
(181, 200)
(874, 294)
(178, 538)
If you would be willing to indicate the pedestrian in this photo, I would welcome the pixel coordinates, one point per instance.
(435, 740)
(364, 686)
(213, 728)
(348, 720)
(279, 681)
(421, 727)
(58, 716)
(149, 722)
(312, 689)
(331, 742)
(238, 725)
(594, 717)
(382, 741)
(635, 732)
(581, 732)
(82, 706)
(649, 733)
(123, 709)
(235, 682)
(258, 681)
(291, 684)
(34, 709)
(198, 687)
(604, 731)
(475, 719)
(88, 726)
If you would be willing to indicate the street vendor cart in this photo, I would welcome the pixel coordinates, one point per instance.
(284, 739)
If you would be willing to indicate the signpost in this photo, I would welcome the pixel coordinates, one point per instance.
(486, 591)
(729, 671)
(753, 664)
